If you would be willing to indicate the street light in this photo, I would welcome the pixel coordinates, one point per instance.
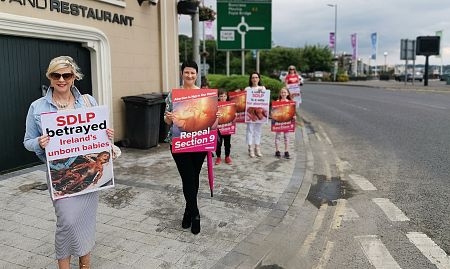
(385, 61)
(335, 39)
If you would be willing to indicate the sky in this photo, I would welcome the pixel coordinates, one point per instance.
(296, 23)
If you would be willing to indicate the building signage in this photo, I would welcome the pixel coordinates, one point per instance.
(73, 9)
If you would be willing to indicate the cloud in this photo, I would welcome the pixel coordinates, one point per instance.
(299, 22)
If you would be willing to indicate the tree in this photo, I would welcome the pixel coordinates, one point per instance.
(185, 48)
(307, 59)
(317, 58)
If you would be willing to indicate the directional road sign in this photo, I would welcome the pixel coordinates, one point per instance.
(244, 24)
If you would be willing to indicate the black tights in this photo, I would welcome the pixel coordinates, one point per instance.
(189, 165)
(226, 139)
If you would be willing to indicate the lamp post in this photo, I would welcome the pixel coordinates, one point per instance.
(385, 61)
(335, 39)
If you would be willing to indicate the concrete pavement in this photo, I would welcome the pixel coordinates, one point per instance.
(256, 201)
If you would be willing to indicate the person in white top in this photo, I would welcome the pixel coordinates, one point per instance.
(254, 129)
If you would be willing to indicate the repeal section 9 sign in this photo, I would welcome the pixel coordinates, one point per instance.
(244, 25)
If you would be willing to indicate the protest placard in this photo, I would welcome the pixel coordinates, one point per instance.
(296, 95)
(283, 113)
(239, 99)
(79, 158)
(195, 120)
(257, 106)
(227, 120)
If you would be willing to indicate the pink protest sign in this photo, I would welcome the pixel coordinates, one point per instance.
(239, 99)
(283, 113)
(227, 120)
(195, 120)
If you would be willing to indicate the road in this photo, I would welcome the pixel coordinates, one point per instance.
(386, 151)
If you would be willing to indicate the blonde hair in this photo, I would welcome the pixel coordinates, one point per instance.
(64, 62)
(291, 67)
(287, 97)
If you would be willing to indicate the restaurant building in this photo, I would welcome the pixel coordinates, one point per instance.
(123, 47)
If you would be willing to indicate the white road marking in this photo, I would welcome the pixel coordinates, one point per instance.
(376, 252)
(362, 182)
(350, 214)
(359, 107)
(392, 211)
(339, 213)
(325, 256)
(433, 252)
(427, 105)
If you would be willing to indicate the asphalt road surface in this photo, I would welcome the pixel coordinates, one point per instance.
(392, 148)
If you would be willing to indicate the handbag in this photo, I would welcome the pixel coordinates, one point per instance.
(116, 152)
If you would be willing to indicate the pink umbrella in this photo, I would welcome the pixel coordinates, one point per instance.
(210, 172)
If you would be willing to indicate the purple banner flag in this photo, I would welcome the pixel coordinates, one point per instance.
(332, 40)
(354, 46)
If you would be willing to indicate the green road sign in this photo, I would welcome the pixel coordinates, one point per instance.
(244, 24)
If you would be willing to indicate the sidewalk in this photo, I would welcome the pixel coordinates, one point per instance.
(139, 221)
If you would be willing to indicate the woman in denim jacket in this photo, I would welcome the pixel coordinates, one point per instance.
(75, 216)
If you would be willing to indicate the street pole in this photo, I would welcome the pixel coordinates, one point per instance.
(257, 61)
(385, 61)
(196, 42)
(243, 62)
(204, 47)
(335, 40)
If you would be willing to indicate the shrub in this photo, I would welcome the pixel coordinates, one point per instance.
(235, 82)
(342, 78)
(385, 76)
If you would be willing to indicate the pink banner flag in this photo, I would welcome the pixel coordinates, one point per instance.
(209, 30)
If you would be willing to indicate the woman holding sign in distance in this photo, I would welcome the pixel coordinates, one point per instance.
(75, 216)
(255, 114)
(293, 82)
(192, 119)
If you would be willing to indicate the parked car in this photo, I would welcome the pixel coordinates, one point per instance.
(445, 76)
(283, 74)
(409, 77)
(318, 74)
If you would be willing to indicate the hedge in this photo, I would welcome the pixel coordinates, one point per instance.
(235, 82)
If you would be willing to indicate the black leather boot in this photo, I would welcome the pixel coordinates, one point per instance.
(195, 228)
(186, 222)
